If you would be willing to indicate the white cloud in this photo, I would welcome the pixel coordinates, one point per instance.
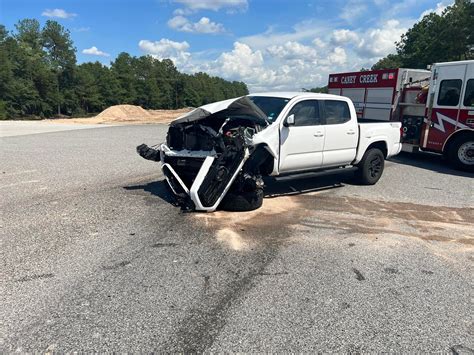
(318, 42)
(58, 13)
(182, 12)
(302, 31)
(293, 50)
(440, 7)
(204, 25)
(240, 62)
(178, 22)
(344, 37)
(299, 58)
(278, 68)
(353, 10)
(245, 64)
(165, 48)
(95, 51)
(378, 42)
(338, 56)
(214, 5)
(296, 59)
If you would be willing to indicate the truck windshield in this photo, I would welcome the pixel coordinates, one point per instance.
(271, 106)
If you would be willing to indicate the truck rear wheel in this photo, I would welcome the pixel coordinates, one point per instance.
(242, 201)
(371, 167)
(461, 153)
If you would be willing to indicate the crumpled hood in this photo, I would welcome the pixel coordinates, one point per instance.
(238, 106)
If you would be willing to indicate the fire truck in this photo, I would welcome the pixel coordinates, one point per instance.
(435, 106)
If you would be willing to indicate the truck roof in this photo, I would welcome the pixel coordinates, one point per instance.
(292, 94)
(455, 63)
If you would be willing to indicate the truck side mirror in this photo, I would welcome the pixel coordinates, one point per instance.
(289, 121)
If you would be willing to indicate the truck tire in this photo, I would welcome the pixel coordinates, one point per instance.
(242, 201)
(370, 167)
(461, 153)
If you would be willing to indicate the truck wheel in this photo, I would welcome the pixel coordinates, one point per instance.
(242, 201)
(461, 153)
(371, 167)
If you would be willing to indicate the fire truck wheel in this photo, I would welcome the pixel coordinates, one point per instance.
(370, 167)
(461, 153)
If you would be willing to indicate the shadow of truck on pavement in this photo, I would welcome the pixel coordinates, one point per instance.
(273, 188)
(428, 161)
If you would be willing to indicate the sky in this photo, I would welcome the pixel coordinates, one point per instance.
(268, 44)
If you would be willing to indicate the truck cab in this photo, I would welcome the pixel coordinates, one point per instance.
(449, 123)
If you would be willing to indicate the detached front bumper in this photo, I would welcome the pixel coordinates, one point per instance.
(213, 180)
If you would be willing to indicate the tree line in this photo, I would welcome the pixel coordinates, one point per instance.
(40, 77)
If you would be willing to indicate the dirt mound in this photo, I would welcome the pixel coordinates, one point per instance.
(119, 113)
(128, 114)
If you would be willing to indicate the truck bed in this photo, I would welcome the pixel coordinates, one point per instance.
(373, 131)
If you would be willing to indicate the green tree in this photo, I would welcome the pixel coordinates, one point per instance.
(28, 33)
(459, 32)
(122, 68)
(61, 55)
(87, 90)
(6, 73)
(322, 89)
(392, 61)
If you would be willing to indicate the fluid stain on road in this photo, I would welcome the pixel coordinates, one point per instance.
(345, 215)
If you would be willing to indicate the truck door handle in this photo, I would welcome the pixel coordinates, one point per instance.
(319, 134)
(350, 132)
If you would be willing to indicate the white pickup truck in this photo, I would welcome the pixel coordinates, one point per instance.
(217, 154)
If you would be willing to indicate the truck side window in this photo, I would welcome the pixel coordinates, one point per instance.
(449, 92)
(469, 94)
(336, 112)
(306, 113)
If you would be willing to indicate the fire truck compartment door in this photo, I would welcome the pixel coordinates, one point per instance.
(357, 95)
(378, 103)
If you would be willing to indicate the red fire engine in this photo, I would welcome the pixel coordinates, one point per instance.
(436, 107)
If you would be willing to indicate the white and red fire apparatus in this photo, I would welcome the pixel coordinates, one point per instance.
(436, 107)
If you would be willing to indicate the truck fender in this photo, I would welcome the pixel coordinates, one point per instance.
(455, 134)
(377, 142)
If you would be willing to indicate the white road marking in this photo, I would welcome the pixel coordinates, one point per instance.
(20, 183)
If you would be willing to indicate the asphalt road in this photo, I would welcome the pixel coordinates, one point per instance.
(95, 257)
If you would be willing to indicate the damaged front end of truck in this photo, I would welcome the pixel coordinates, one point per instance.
(210, 158)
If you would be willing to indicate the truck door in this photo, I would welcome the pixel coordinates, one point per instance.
(342, 133)
(447, 86)
(466, 114)
(301, 144)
